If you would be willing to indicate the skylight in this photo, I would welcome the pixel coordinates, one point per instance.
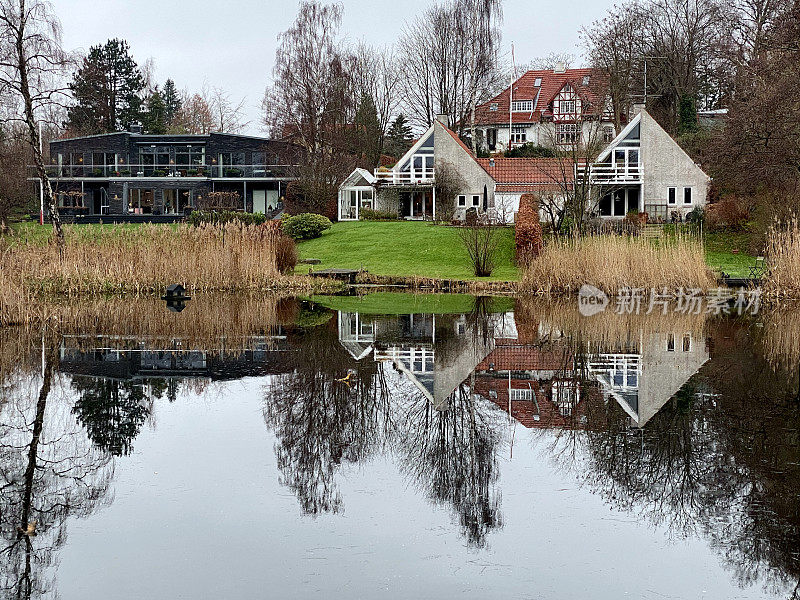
(538, 82)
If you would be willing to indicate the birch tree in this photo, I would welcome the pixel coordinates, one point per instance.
(32, 67)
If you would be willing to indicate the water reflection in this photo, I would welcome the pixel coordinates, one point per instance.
(689, 425)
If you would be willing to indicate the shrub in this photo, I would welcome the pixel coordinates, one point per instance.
(305, 226)
(730, 213)
(530, 150)
(528, 229)
(225, 216)
(696, 216)
(367, 214)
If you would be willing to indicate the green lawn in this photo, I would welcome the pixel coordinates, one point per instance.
(720, 254)
(404, 248)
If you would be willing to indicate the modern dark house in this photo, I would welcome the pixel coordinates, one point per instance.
(130, 176)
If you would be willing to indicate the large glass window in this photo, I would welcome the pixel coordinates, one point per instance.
(140, 202)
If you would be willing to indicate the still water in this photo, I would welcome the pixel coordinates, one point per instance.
(398, 447)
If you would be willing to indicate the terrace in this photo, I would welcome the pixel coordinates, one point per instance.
(180, 171)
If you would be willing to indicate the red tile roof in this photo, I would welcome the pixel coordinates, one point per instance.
(542, 97)
(529, 174)
(526, 358)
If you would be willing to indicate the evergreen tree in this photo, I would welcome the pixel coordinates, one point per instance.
(368, 133)
(154, 116)
(399, 137)
(172, 102)
(106, 89)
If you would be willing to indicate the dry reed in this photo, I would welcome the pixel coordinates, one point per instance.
(615, 262)
(143, 260)
(783, 260)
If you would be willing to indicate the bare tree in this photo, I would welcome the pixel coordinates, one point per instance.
(376, 75)
(444, 74)
(194, 116)
(312, 101)
(32, 66)
(228, 116)
(479, 236)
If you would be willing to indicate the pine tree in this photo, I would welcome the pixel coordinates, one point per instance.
(154, 116)
(368, 133)
(399, 137)
(106, 89)
(172, 102)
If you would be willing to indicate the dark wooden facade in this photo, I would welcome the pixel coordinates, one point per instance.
(133, 176)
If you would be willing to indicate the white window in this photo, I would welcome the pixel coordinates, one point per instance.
(608, 133)
(687, 195)
(671, 195)
(522, 106)
(521, 394)
(585, 80)
(566, 107)
(567, 133)
(538, 82)
(519, 134)
(493, 106)
(462, 200)
(476, 200)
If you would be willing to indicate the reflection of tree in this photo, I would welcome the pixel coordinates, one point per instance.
(48, 472)
(330, 409)
(452, 455)
(726, 465)
(112, 411)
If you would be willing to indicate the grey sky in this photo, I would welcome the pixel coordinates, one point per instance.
(232, 45)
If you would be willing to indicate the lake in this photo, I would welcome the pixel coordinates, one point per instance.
(398, 446)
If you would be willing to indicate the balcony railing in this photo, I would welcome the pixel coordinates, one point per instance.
(128, 170)
(605, 173)
(418, 177)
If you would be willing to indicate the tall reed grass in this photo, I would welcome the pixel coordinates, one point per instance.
(783, 259)
(615, 262)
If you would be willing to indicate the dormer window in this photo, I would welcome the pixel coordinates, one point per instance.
(522, 106)
(585, 80)
(493, 106)
(537, 82)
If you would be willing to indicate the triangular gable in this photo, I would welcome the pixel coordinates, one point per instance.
(622, 135)
(359, 177)
(575, 88)
(413, 150)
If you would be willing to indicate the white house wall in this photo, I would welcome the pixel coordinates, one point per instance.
(448, 150)
(666, 165)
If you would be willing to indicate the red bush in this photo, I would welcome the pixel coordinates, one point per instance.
(728, 213)
(528, 229)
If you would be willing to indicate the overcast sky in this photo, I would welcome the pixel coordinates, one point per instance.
(232, 44)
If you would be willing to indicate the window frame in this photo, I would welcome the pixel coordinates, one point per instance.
(672, 195)
(689, 190)
(522, 106)
(462, 200)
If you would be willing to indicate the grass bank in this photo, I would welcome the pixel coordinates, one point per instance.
(405, 248)
(611, 263)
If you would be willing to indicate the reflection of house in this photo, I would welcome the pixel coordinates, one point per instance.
(118, 357)
(548, 387)
(435, 353)
(643, 378)
(537, 387)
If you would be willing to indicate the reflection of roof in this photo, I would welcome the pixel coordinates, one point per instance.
(357, 350)
(520, 357)
(538, 413)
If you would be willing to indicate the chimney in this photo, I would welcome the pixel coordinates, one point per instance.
(560, 68)
(136, 128)
(444, 120)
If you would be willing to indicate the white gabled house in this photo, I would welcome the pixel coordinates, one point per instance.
(641, 170)
(644, 170)
(408, 187)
